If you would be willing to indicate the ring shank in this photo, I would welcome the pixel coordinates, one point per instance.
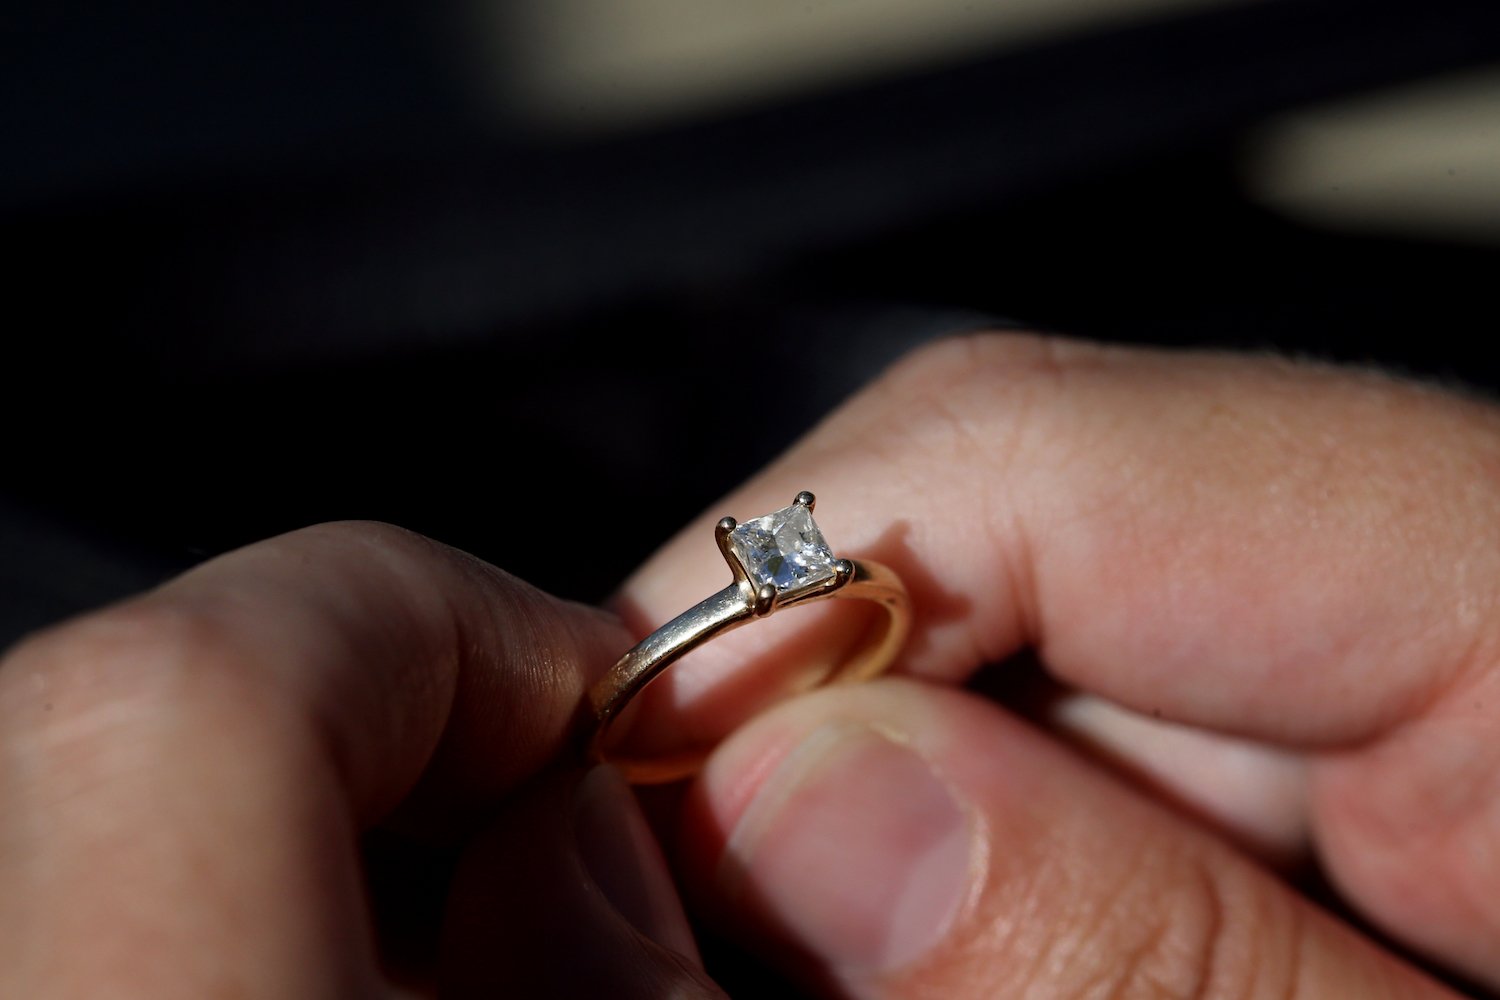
(724, 611)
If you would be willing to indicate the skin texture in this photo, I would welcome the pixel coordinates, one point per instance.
(183, 777)
(1283, 573)
(1265, 593)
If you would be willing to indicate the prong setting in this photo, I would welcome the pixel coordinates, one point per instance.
(765, 600)
(780, 558)
(722, 531)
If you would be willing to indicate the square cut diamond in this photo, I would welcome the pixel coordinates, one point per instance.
(784, 549)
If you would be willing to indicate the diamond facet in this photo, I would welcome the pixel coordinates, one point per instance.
(784, 549)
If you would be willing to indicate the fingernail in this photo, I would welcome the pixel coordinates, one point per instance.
(855, 849)
(625, 861)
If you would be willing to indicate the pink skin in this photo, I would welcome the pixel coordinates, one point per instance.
(182, 777)
(1260, 554)
(1271, 588)
(914, 840)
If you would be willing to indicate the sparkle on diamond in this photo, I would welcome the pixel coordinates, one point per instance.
(784, 549)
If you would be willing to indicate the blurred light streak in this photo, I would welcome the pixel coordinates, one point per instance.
(608, 64)
(1421, 161)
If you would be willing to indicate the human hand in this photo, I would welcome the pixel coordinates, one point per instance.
(1274, 587)
(184, 778)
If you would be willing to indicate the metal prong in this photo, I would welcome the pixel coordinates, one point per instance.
(765, 599)
(805, 499)
(722, 531)
(843, 572)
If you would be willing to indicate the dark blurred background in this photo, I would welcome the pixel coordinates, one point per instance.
(500, 271)
(477, 267)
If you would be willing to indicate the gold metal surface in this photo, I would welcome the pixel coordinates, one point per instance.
(736, 605)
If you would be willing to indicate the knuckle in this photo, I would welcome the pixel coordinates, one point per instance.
(385, 543)
(1208, 928)
(147, 653)
(951, 361)
(986, 389)
(967, 413)
(1185, 921)
(1174, 921)
(378, 533)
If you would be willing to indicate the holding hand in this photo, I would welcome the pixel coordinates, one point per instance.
(1272, 586)
(183, 779)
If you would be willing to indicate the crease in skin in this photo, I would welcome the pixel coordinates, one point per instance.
(1323, 496)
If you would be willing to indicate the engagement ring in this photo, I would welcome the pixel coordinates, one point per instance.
(778, 561)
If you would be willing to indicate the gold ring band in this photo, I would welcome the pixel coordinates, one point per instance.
(778, 561)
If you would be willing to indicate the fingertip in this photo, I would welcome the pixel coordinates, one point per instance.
(903, 839)
(827, 834)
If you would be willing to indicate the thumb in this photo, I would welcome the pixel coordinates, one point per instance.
(901, 840)
(567, 895)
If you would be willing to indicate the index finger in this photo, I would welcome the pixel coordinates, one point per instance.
(1290, 552)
